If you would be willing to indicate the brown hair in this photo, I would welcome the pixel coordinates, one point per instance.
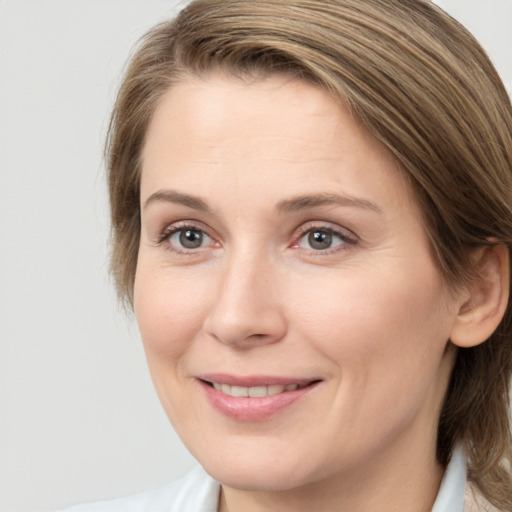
(421, 84)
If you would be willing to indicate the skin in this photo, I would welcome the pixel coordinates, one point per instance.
(369, 317)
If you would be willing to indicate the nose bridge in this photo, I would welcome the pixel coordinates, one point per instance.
(247, 307)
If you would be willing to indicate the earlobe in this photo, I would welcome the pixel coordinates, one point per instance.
(485, 302)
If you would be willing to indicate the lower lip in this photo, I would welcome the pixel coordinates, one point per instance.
(253, 408)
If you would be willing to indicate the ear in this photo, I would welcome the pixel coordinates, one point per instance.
(485, 299)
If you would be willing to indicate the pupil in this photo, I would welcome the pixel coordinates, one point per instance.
(320, 240)
(191, 239)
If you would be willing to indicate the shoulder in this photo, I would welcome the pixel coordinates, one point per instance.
(195, 492)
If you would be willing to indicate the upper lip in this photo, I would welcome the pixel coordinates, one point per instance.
(250, 381)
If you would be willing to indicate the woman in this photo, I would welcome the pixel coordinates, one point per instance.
(312, 215)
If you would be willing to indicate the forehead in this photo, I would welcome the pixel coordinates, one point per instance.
(277, 127)
(214, 108)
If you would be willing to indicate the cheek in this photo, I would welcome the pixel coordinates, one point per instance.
(169, 311)
(381, 332)
(385, 341)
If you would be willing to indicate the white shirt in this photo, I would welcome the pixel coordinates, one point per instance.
(199, 492)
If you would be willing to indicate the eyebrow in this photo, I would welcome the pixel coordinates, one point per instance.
(171, 196)
(288, 205)
(314, 200)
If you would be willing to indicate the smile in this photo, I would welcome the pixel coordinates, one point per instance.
(253, 399)
(255, 391)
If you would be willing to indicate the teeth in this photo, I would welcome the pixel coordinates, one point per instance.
(275, 390)
(256, 391)
(239, 391)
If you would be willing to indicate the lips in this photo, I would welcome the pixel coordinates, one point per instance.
(254, 398)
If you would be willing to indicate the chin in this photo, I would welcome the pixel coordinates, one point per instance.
(257, 479)
(258, 472)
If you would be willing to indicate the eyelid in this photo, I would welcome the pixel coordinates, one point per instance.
(348, 236)
(166, 233)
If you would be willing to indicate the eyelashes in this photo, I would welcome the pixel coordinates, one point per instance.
(323, 239)
(183, 238)
(188, 238)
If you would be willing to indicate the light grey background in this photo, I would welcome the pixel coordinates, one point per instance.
(78, 416)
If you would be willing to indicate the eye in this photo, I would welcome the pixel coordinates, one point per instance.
(184, 238)
(189, 238)
(323, 239)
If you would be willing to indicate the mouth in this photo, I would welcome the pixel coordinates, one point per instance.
(257, 391)
(257, 397)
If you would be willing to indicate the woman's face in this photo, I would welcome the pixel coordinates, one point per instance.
(283, 257)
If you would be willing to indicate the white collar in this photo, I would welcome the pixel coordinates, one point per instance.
(453, 487)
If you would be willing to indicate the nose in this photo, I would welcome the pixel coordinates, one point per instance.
(247, 311)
